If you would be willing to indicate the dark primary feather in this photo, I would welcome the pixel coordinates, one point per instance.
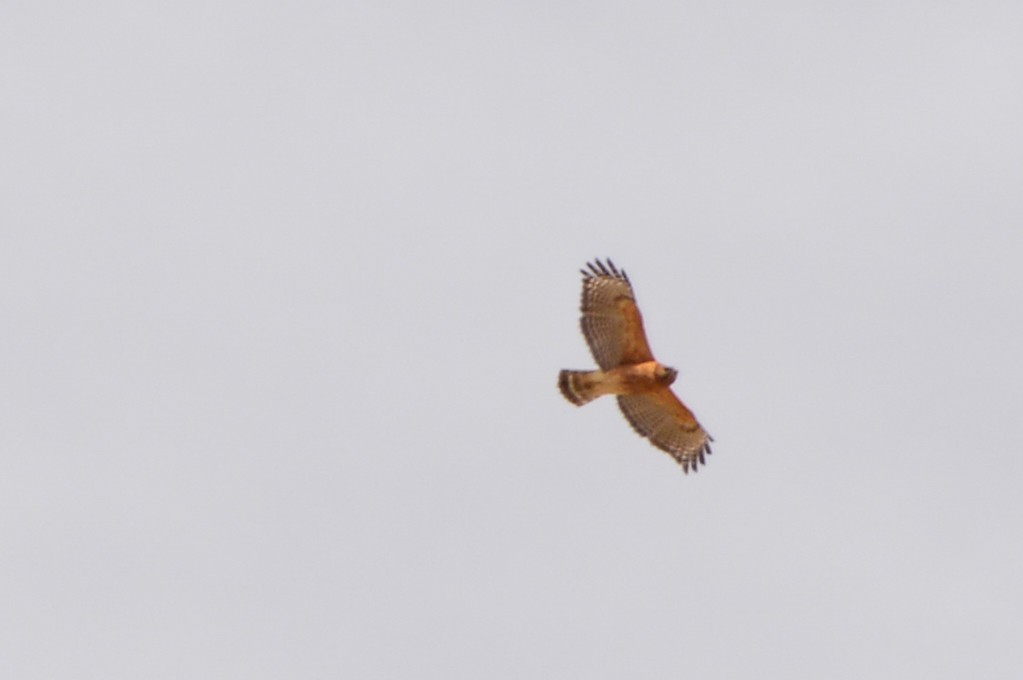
(598, 268)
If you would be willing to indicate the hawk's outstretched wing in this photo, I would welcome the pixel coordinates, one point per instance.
(661, 417)
(611, 321)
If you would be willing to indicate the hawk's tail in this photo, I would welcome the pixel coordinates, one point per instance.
(580, 387)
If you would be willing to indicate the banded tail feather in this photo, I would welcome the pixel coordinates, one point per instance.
(580, 387)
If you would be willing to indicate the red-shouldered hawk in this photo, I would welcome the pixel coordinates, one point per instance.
(613, 328)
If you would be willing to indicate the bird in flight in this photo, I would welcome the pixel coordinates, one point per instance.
(613, 328)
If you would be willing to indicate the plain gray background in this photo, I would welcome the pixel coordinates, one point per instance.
(286, 287)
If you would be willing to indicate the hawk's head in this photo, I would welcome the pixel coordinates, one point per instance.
(665, 375)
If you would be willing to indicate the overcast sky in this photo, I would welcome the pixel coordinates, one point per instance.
(285, 289)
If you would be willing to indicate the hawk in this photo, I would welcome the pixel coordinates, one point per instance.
(613, 328)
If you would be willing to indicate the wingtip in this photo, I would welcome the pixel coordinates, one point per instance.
(605, 267)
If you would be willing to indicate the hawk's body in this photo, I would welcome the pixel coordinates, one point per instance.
(613, 328)
(580, 387)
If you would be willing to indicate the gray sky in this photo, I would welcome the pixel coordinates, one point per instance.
(286, 287)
